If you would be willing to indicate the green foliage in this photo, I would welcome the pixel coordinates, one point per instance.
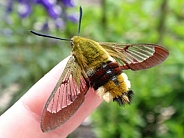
(156, 109)
(157, 105)
(24, 57)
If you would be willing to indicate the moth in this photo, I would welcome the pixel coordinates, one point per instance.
(97, 65)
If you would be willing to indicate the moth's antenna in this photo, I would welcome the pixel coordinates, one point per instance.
(80, 19)
(43, 35)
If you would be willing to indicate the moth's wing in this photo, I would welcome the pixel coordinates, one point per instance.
(136, 56)
(66, 98)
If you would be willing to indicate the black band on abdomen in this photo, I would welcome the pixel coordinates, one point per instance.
(106, 72)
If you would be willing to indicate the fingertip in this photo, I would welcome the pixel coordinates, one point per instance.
(24, 117)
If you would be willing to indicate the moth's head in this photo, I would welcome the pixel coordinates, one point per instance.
(76, 40)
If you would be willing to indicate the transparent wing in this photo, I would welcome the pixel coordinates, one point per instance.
(66, 98)
(136, 56)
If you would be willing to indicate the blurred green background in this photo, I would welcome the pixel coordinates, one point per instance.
(157, 109)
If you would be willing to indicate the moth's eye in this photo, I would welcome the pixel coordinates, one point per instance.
(71, 42)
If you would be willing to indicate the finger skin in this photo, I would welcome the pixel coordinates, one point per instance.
(23, 118)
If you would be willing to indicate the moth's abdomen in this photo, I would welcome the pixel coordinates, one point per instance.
(111, 83)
